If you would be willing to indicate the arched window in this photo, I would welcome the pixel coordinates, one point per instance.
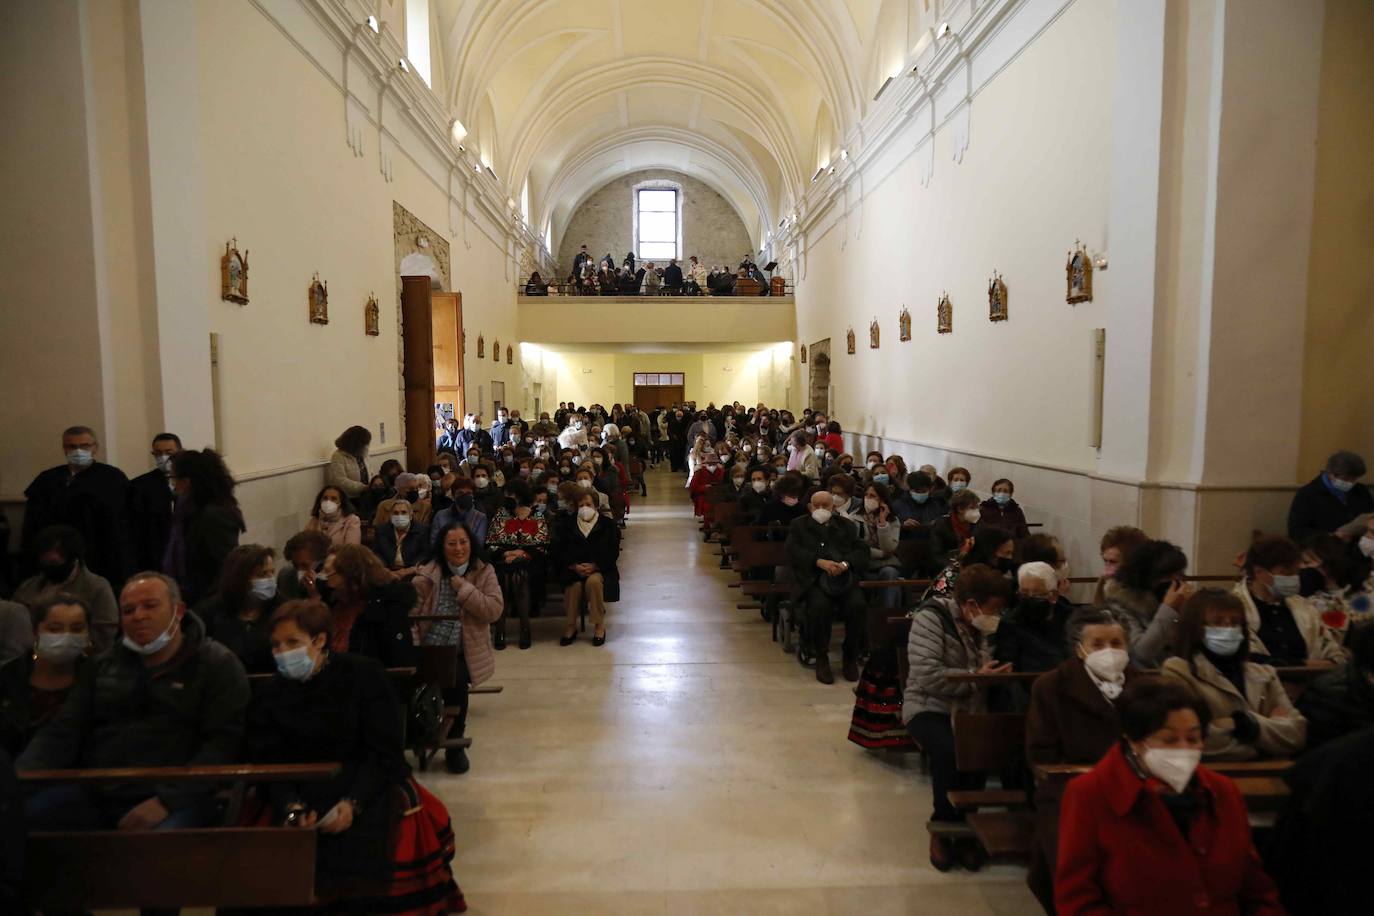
(658, 220)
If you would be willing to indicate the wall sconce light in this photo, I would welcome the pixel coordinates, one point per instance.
(372, 24)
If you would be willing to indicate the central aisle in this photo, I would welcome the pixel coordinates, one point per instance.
(688, 766)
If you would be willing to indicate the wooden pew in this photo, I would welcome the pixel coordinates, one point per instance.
(994, 743)
(761, 558)
(225, 866)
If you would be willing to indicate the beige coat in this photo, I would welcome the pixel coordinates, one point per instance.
(1282, 729)
(346, 529)
(480, 605)
(343, 473)
(1321, 643)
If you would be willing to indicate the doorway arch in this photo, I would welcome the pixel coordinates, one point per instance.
(818, 388)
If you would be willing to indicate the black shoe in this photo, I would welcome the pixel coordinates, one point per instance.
(941, 853)
(456, 760)
(599, 640)
(851, 667)
(823, 672)
(971, 855)
(567, 640)
(498, 641)
(525, 636)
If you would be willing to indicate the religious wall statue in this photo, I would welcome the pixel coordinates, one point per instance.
(849, 340)
(319, 301)
(904, 325)
(944, 315)
(233, 274)
(510, 356)
(481, 347)
(496, 351)
(372, 317)
(803, 354)
(873, 333)
(997, 298)
(1080, 274)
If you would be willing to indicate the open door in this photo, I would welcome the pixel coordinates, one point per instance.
(432, 327)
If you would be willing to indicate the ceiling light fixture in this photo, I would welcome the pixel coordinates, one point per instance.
(458, 132)
(372, 24)
(844, 155)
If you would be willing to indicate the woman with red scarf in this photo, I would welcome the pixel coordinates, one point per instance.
(707, 476)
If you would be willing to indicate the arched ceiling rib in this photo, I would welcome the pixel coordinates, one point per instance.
(573, 92)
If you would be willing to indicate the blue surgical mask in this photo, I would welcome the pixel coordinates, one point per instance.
(1001, 498)
(295, 664)
(1223, 641)
(957, 486)
(1286, 586)
(264, 589)
(920, 498)
(880, 478)
(1340, 486)
(80, 458)
(157, 645)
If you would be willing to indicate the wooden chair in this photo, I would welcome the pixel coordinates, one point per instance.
(226, 866)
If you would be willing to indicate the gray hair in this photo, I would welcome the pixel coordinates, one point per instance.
(1037, 571)
(79, 431)
(1345, 464)
(173, 589)
(1085, 617)
(407, 479)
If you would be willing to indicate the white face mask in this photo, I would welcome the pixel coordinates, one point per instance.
(60, 648)
(821, 516)
(1285, 586)
(400, 521)
(871, 504)
(586, 513)
(1367, 545)
(328, 507)
(264, 589)
(481, 483)
(159, 642)
(584, 483)
(1107, 664)
(759, 485)
(986, 624)
(164, 463)
(1173, 766)
(972, 516)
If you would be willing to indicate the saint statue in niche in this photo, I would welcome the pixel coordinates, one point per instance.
(849, 340)
(481, 347)
(944, 315)
(233, 274)
(496, 351)
(319, 301)
(372, 317)
(873, 334)
(803, 354)
(904, 324)
(1080, 275)
(997, 298)
(510, 356)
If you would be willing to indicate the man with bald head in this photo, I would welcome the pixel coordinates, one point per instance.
(827, 558)
(165, 695)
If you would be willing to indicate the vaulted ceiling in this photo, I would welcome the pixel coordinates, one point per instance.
(749, 96)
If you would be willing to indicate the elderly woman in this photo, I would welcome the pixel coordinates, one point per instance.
(517, 546)
(1148, 590)
(461, 589)
(1033, 634)
(328, 706)
(1149, 831)
(403, 544)
(708, 474)
(1073, 718)
(951, 634)
(586, 549)
(348, 465)
(62, 571)
(333, 515)
(236, 615)
(33, 686)
(1003, 511)
(1252, 715)
(1284, 627)
(802, 457)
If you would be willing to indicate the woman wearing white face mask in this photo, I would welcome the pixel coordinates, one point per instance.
(1073, 718)
(402, 544)
(33, 686)
(882, 531)
(331, 706)
(1284, 628)
(236, 614)
(333, 514)
(1149, 831)
(950, 535)
(951, 634)
(1252, 715)
(586, 548)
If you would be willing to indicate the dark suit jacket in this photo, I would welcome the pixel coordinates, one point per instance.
(150, 519)
(93, 502)
(838, 540)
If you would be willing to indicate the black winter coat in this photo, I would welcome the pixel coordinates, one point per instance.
(93, 502)
(150, 520)
(249, 640)
(601, 546)
(1336, 704)
(382, 630)
(1316, 510)
(838, 540)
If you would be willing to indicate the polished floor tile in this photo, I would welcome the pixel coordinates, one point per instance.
(688, 767)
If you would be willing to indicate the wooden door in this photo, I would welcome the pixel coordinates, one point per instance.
(432, 330)
(647, 397)
(447, 321)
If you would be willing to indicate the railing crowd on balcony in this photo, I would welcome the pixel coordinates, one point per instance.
(724, 284)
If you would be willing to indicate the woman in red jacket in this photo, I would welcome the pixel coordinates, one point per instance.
(1149, 831)
(708, 474)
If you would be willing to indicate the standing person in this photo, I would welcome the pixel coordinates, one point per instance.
(501, 428)
(1148, 830)
(333, 516)
(62, 571)
(672, 278)
(151, 501)
(581, 258)
(461, 587)
(677, 440)
(348, 465)
(205, 525)
(86, 494)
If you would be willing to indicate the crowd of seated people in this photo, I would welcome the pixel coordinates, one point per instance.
(1149, 681)
(591, 276)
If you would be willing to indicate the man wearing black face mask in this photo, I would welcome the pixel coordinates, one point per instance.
(1033, 634)
(60, 553)
(464, 509)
